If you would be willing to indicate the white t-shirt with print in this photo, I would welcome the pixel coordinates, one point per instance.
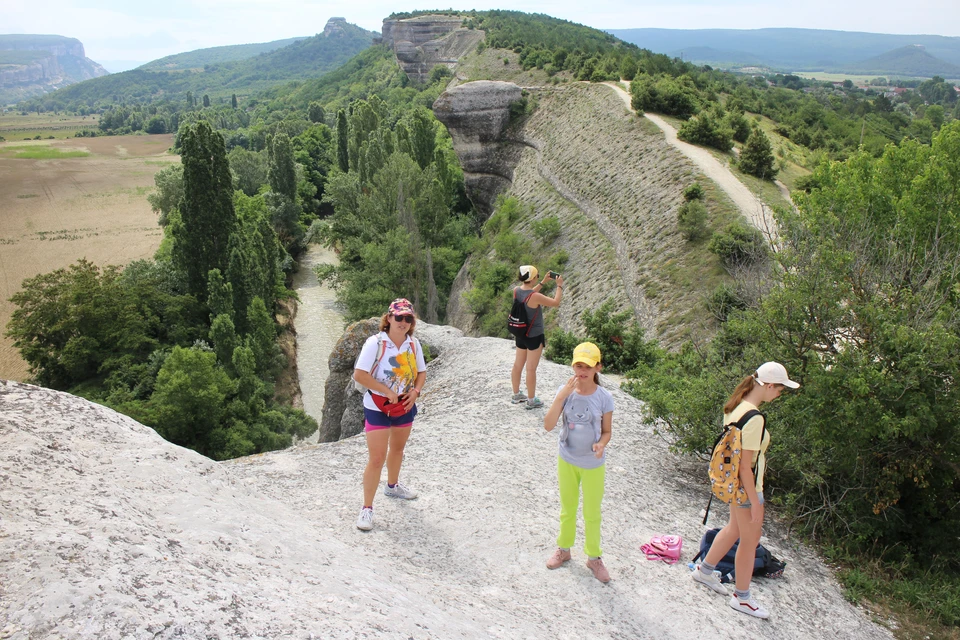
(398, 368)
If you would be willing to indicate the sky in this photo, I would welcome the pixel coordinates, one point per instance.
(133, 30)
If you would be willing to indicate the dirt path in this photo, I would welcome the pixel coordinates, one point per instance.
(645, 311)
(752, 208)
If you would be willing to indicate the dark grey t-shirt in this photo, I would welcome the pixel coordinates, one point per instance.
(534, 315)
(581, 427)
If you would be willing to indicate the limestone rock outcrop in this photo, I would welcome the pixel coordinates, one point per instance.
(477, 115)
(44, 63)
(108, 532)
(423, 42)
(342, 415)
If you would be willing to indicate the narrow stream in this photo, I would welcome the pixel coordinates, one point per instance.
(319, 325)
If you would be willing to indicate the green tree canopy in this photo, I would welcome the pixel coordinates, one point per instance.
(207, 217)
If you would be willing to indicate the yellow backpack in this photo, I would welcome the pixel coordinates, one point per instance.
(724, 469)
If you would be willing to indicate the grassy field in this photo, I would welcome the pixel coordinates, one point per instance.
(17, 128)
(62, 200)
(836, 77)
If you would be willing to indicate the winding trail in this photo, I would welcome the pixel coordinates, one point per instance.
(752, 208)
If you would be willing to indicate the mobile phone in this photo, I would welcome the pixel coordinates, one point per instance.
(553, 274)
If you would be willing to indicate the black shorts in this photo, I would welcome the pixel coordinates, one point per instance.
(532, 343)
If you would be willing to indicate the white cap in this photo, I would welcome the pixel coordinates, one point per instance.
(528, 273)
(774, 373)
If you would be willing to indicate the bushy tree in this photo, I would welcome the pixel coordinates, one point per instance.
(189, 401)
(618, 335)
(76, 323)
(316, 113)
(739, 246)
(756, 157)
(249, 169)
(692, 220)
(664, 94)
(169, 193)
(863, 311)
(707, 130)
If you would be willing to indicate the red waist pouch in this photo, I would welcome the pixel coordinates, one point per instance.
(390, 409)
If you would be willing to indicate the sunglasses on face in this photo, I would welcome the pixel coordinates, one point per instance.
(407, 319)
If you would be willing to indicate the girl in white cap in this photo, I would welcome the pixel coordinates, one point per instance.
(746, 520)
(587, 412)
(530, 346)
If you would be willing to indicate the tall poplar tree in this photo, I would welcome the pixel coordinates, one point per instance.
(343, 157)
(207, 217)
(281, 170)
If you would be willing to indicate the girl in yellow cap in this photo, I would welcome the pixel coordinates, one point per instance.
(587, 412)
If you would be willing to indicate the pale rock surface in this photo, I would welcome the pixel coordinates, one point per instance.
(424, 42)
(107, 531)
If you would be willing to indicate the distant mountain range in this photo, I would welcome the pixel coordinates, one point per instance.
(31, 65)
(806, 49)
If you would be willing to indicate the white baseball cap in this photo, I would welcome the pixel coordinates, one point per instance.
(774, 373)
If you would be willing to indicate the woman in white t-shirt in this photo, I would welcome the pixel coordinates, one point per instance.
(392, 368)
(746, 520)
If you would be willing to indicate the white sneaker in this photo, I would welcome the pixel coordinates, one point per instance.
(518, 397)
(399, 491)
(365, 519)
(711, 580)
(749, 607)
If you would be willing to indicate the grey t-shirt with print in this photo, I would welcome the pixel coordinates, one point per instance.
(581, 427)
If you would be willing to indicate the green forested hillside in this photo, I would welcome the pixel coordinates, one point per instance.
(215, 55)
(304, 59)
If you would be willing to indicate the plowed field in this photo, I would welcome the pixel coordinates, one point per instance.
(56, 211)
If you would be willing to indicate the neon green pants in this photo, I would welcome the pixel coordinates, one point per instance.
(572, 479)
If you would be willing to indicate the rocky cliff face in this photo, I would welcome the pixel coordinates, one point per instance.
(424, 42)
(342, 403)
(477, 115)
(614, 185)
(58, 62)
(108, 532)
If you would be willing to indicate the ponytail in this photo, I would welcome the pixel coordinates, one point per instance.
(596, 378)
(737, 397)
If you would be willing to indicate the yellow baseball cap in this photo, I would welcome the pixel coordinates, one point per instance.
(528, 272)
(587, 353)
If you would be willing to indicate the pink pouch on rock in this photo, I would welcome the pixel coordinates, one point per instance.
(666, 548)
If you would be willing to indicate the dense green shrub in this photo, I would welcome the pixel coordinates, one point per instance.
(693, 192)
(618, 335)
(739, 246)
(692, 220)
(707, 130)
(663, 94)
(862, 310)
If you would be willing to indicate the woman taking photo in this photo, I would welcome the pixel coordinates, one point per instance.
(530, 346)
(746, 520)
(391, 367)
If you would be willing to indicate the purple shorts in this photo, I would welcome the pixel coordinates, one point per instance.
(375, 420)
